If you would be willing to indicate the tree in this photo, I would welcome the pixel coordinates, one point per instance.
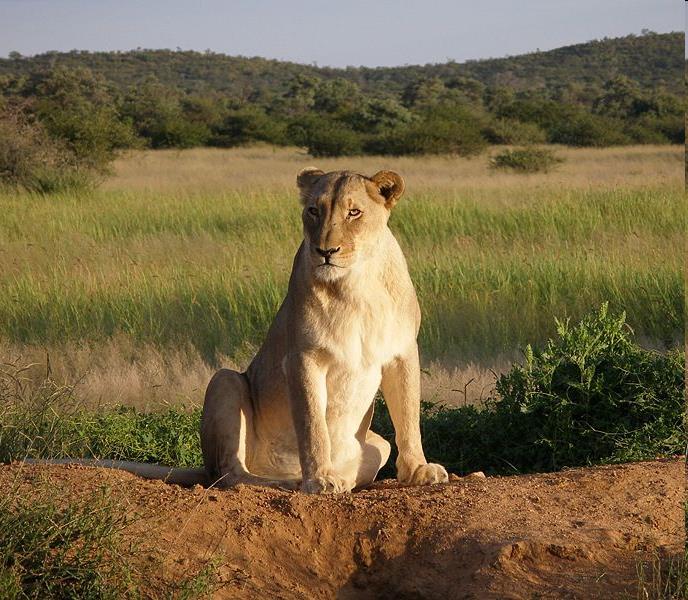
(79, 108)
(621, 98)
(157, 114)
(336, 96)
(423, 93)
(379, 114)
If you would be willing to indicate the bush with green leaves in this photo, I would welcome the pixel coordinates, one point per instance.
(248, 125)
(592, 395)
(79, 108)
(451, 129)
(323, 136)
(526, 160)
(585, 129)
(512, 131)
(30, 158)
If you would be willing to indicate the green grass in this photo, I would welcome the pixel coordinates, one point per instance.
(491, 269)
(54, 548)
(663, 577)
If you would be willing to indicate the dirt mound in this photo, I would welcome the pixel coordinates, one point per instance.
(574, 534)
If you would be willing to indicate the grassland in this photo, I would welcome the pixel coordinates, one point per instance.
(179, 261)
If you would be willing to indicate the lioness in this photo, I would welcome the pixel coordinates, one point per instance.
(300, 415)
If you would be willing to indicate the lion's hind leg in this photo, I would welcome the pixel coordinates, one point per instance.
(226, 424)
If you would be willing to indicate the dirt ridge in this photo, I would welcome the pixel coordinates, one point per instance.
(574, 534)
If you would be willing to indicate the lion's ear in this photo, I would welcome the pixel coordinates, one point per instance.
(307, 178)
(390, 185)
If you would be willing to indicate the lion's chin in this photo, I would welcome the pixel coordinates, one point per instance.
(329, 272)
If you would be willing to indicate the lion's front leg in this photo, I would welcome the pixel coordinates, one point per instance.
(401, 389)
(306, 381)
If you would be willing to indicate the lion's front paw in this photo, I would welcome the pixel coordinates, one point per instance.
(327, 484)
(427, 475)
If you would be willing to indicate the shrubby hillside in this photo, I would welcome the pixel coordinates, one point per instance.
(651, 60)
(81, 107)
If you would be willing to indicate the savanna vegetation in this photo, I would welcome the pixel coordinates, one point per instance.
(591, 395)
(179, 262)
(127, 295)
(89, 105)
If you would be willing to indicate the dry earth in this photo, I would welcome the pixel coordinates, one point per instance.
(574, 534)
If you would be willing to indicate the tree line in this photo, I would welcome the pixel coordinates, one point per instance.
(80, 113)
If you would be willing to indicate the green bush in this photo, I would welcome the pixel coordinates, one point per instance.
(641, 133)
(249, 125)
(593, 395)
(322, 136)
(79, 109)
(589, 130)
(590, 396)
(32, 159)
(526, 160)
(442, 130)
(511, 131)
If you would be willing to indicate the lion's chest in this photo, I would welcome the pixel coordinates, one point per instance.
(357, 342)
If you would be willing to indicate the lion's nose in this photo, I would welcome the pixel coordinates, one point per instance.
(328, 251)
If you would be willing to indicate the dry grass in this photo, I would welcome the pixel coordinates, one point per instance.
(267, 168)
(119, 372)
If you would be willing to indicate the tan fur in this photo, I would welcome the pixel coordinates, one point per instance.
(300, 415)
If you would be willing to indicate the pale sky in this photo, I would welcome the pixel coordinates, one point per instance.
(329, 32)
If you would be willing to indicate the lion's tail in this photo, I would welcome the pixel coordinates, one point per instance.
(177, 475)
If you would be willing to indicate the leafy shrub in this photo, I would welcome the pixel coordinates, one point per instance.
(32, 159)
(526, 160)
(511, 131)
(78, 108)
(593, 395)
(249, 125)
(442, 130)
(640, 133)
(430, 137)
(588, 130)
(667, 128)
(157, 115)
(590, 396)
(322, 136)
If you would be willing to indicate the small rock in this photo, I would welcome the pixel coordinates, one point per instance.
(478, 475)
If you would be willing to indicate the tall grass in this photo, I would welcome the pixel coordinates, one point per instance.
(191, 252)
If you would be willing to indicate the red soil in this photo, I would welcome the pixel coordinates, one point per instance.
(575, 534)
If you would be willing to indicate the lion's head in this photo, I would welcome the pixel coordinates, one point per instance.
(344, 215)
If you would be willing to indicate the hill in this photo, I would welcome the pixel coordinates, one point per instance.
(652, 60)
(601, 93)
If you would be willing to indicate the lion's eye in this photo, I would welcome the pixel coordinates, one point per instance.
(313, 211)
(354, 212)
